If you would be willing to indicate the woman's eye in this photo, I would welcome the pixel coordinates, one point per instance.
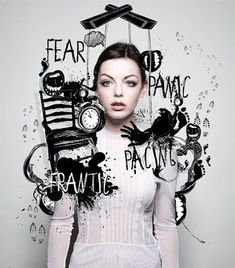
(105, 83)
(131, 83)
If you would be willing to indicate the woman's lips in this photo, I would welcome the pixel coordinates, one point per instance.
(118, 106)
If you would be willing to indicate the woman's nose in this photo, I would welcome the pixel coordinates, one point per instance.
(118, 91)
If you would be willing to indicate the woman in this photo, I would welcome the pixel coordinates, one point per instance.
(134, 227)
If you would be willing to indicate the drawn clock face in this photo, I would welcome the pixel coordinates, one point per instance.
(143, 115)
(89, 118)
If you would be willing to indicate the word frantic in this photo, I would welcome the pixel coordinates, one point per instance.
(87, 181)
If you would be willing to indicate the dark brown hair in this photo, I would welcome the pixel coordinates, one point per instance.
(117, 51)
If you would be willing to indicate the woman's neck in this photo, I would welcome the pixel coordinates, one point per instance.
(115, 125)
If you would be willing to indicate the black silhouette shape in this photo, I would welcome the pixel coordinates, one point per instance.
(180, 208)
(182, 118)
(95, 182)
(63, 104)
(45, 66)
(157, 171)
(208, 159)
(53, 83)
(136, 19)
(182, 167)
(101, 19)
(164, 125)
(205, 147)
(196, 170)
(62, 117)
(151, 60)
(199, 170)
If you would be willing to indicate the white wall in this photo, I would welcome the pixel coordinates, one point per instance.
(26, 25)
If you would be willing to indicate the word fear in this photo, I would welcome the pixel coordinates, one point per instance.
(171, 87)
(59, 180)
(59, 51)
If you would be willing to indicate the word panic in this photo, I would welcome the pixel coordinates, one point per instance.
(171, 87)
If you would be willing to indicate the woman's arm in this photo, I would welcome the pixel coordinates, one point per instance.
(60, 231)
(165, 228)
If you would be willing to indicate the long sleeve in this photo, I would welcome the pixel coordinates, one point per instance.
(60, 232)
(165, 228)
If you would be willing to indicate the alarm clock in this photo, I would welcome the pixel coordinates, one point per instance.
(89, 117)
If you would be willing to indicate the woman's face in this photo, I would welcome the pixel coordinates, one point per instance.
(119, 86)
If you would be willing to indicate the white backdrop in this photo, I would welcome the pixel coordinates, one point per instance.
(196, 39)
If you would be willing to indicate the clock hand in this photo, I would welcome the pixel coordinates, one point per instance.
(89, 114)
(142, 113)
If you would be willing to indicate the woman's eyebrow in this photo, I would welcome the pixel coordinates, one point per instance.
(128, 76)
(107, 75)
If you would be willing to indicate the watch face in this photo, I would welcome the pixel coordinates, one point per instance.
(90, 118)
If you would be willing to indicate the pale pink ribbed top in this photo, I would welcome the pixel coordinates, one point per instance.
(122, 229)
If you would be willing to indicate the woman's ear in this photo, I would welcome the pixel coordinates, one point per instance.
(144, 89)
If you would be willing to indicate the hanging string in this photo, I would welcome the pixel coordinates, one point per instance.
(105, 33)
(87, 61)
(129, 32)
(149, 75)
(197, 238)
